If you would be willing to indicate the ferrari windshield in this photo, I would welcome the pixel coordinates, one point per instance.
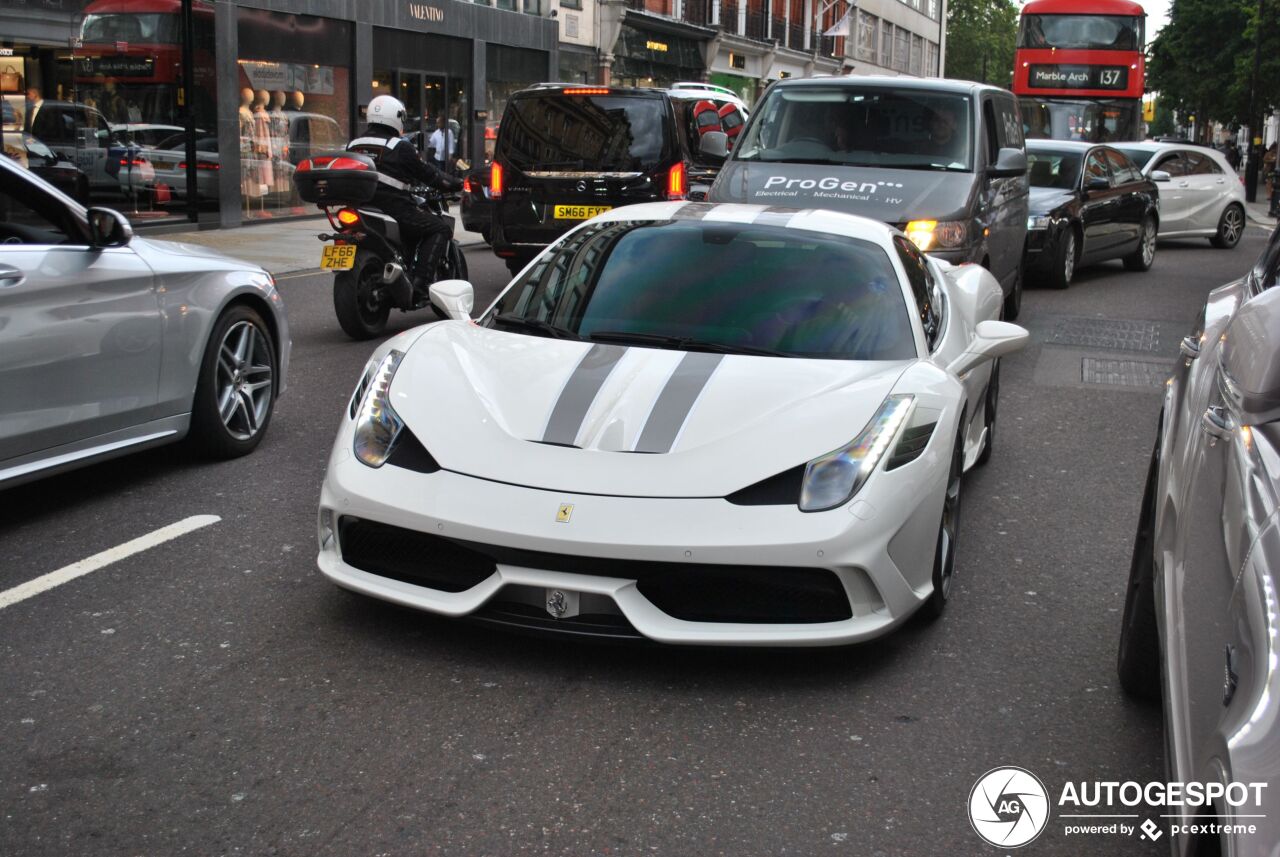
(714, 286)
(861, 126)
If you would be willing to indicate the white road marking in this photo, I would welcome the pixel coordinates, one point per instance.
(100, 560)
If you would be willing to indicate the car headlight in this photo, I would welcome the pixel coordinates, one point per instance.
(932, 234)
(1039, 221)
(377, 423)
(834, 478)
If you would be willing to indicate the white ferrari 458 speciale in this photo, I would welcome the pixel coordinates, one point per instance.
(692, 423)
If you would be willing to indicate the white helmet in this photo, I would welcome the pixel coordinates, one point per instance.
(387, 110)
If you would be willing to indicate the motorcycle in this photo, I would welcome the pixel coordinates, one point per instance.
(367, 255)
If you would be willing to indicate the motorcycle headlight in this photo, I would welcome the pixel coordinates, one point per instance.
(377, 423)
(833, 479)
(933, 234)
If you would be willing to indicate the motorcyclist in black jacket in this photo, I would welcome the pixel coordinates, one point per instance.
(399, 166)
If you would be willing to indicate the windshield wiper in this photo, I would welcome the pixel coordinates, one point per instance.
(535, 325)
(938, 167)
(826, 161)
(681, 343)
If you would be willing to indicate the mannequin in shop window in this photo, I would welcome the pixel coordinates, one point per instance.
(262, 141)
(296, 100)
(250, 187)
(279, 145)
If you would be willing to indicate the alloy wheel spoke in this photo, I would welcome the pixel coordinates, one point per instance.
(250, 412)
(227, 405)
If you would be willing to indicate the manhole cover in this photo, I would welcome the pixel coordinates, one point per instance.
(1124, 373)
(1106, 334)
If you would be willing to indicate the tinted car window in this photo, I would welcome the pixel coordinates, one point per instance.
(805, 294)
(921, 282)
(1121, 169)
(1095, 166)
(1138, 156)
(1009, 130)
(28, 216)
(605, 133)
(1200, 165)
(872, 126)
(1048, 168)
(1174, 165)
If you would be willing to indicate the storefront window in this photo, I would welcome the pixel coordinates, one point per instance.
(100, 113)
(646, 58)
(431, 74)
(577, 67)
(295, 101)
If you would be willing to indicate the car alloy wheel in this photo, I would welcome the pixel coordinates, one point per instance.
(1230, 228)
(1145, 253)
(1069, 258)
(244, 380)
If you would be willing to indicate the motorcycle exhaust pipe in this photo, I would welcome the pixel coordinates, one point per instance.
(392, 272)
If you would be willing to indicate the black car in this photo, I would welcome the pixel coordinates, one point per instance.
(1089, 203)
(477, 208)
(51, 166)
(567, 152)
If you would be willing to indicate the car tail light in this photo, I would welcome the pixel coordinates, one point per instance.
(466, 185)
(495, 181)
(677, 184)
(348, 217)
(132, 162)
(201, 165)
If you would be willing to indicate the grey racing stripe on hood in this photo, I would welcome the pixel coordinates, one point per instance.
(579, 392)
(676, 401)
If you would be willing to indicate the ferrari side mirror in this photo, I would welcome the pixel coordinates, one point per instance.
(993, 339)
(455, 298)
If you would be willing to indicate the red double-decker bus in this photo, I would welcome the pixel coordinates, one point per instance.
(128, 59)
(1079, 70)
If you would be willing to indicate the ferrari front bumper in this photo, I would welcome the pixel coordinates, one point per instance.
(695, 571)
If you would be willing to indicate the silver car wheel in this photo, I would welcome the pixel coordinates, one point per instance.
(1148, 243)
(244, 380)
(1232, 225)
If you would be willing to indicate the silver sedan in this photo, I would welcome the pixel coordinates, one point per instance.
(111, 343)
(1200, 192)
(1202, 616)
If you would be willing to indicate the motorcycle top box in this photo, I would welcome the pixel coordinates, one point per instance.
(337, 178)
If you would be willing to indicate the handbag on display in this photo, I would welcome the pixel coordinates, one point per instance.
(10, 79)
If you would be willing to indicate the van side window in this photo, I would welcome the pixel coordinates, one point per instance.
(989, 125)
(1009, 131)
(922, 288)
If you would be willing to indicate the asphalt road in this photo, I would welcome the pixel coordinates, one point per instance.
(216, 695)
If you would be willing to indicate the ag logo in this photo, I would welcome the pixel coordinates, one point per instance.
(1008, 807)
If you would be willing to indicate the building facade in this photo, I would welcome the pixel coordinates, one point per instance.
(111, 85)
(899, 37)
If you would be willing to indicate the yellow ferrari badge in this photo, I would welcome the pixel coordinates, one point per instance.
(566, 510)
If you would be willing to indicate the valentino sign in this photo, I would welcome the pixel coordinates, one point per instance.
(426, 12)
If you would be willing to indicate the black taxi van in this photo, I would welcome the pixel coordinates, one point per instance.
(567, 152)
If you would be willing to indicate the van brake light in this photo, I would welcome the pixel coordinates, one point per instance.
(677, 182)
(495, 181)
